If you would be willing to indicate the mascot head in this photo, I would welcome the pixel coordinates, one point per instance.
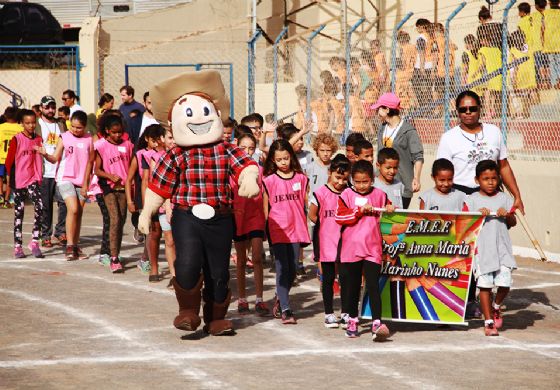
(194, 105)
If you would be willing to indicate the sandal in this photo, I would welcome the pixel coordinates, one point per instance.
(154, 278)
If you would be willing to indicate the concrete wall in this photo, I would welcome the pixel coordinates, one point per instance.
(33, 84)
(198, 32)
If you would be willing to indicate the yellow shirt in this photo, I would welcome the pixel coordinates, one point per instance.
(536, 26)
(525, 26)
(7, 132)
(525, 75)
(551, 41)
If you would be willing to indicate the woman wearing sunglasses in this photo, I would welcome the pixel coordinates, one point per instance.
(470, 142)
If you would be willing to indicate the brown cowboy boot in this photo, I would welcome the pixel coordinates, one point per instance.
(189, 306)
(218, 325)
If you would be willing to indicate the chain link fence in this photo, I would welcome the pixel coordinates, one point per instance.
(428, 70)
(30, 72)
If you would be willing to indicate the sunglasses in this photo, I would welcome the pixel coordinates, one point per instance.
(464, 110)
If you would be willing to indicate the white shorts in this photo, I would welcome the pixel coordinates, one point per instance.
(500, 278)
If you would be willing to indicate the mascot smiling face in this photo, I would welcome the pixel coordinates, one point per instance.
(194, 104)
(196, 121)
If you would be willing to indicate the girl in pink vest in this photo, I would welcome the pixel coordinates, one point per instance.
(135, 188)
(146, 163)
(111, 167)
(75, 152)
(249, 232)
(361, 246)
(25, 168)
(326, 232)
(284, 201)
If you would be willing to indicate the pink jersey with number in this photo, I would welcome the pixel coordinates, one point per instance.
(361, 240)
(115, 158)
(76, 156)
(28, 163)
(326, 233)
(248, 212)
(287, 221)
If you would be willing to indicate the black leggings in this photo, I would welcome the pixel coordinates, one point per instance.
(328, 271)
(351, 283)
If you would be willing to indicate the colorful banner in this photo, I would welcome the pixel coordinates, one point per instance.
(426, 272)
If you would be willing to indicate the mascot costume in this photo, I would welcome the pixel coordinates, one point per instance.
(195, 177)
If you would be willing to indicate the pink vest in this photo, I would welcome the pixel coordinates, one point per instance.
(143, 154)
(76, 156)
(287, 221)
(248, 212)
(28, 163)
(115, 158)
(362, 241)
(327, 232)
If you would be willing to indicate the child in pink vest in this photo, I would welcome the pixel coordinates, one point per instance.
(111, 167)
(75, 148)
(361, 246)
(135, 187)
(249, 231)
(25, 168)
(326, 232)
(284, 201)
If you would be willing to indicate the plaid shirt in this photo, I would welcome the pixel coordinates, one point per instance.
(189, 176)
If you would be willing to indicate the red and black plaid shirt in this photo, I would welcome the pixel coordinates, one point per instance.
(189, 176)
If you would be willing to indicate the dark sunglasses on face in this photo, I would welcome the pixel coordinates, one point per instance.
(464, 110)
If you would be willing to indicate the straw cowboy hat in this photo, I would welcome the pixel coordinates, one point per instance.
(165, 93)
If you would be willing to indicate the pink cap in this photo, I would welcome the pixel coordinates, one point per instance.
(389, 100)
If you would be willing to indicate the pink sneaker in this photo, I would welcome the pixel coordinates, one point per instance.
(18, 252)
(490, 330)
(35, 250)
(498, 320)
(116, 266)
(379, 331)
(352, 328)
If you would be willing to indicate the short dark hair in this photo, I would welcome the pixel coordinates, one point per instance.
(108, 121)
(470, 94)
(361, 145)
(230, 122)
(286, 131)
(71, 94)
(486, 165)
(340, 164)
(79, 116)
(129, 90)
(25, 112)
(10, 113)
(247, 135)
(64, 109)
(442, 164)
(253, 117)
(540, 3)
(239, 130)
(353, 138)
(387, 154)
(525, 8)
(485, 14)
(146, 94)
(422, 22)
(363, 166)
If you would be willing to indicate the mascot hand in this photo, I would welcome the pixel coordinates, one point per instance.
(248, 182)
(152, 202)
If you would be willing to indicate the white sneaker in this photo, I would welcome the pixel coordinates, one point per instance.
(331, 321)
(344, 317)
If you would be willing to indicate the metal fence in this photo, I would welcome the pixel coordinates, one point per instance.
(29, 72)
(334, 84)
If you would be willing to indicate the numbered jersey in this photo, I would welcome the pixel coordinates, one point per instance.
(318, 175)
(7, 132)
(72, 167)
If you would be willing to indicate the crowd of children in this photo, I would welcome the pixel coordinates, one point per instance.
(331, 203)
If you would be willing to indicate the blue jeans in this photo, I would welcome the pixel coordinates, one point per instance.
(285, 257)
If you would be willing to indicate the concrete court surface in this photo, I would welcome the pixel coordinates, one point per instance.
(75, 325)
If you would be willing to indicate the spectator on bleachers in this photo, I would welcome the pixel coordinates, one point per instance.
(489, 30)
(405, 70)
(523, 76)
(491, 61)
(439, 78)
(541, 61)
(422, 76)
(373, 90)
(380, 62)
(471, 63)
(551, 41)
